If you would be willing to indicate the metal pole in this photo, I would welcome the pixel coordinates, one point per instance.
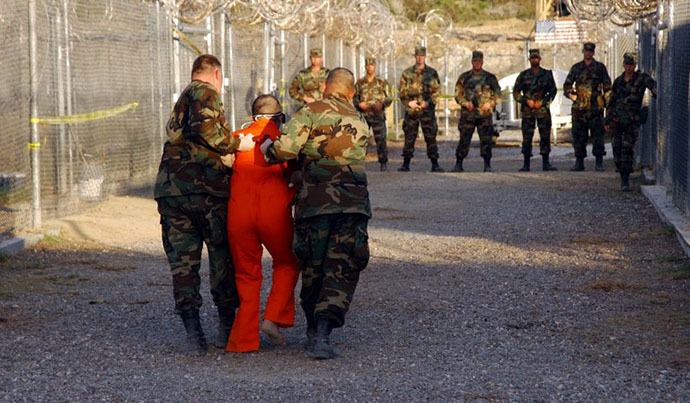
(267, 57)
(305, 38)
(68, 84)
(161, 131)
(323, 49)
(231, 78)
(221, 49)
(209, 35)
(396, 119)
(176, 64)
(283, 81)
(340, 52)
(34, 145)
(445, 100)
(61, 146)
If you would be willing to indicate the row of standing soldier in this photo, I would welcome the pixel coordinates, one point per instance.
(477, 92)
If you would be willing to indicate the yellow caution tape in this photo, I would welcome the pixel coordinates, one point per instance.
(84, 117)
(33, 146)
(188, 41)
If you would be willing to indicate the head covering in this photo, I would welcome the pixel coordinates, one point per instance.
(630, 58)
(316, 52)
(420, 51)
(534, 53)
(477, 55)
(589, 46)
(369, 60)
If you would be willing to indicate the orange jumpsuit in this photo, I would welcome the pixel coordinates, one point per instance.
(259, 213)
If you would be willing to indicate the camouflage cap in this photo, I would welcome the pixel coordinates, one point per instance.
(589, 46)
(477, 55)
(316, 52)
(420, 51)
(630, 58)
(534, 53)
(369, 60)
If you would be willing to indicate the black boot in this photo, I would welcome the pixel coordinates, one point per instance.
(579, 165)
(405, 167)
(458, 165)
(435, 167)
(599, 166)
(384, 167)
(525, 165)
(226, 317)
(545, 165)
(487, 164)
(195, 335)
(625, 181)
(311, 333)
(322, 345)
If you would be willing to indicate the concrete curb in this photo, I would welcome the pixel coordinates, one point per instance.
(670, 214)
(18, 244)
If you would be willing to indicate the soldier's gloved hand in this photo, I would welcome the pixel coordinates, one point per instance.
(413, 104)
(246, 142)
(228, 160)
(264, 146)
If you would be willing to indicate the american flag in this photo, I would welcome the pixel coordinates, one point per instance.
(559, 31)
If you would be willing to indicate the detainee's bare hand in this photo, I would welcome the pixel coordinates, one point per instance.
(246, 142)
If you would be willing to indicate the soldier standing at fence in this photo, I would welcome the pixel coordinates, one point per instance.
(477, 92)
(625, 114)
(329, 138)
(534, 89)
(307, 86)
(192, 189)
(420, 90)
(372, 97)
(591, 92)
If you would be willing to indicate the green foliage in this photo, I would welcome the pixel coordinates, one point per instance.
(464, 11)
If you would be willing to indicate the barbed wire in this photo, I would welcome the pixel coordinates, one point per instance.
(618, 12)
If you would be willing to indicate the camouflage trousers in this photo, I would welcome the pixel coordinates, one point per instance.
(544, 125)
(584, 122)
(485, 127)
(623, 140)
(377, 124)
(332, 250)
(188, 222)
(411, 123)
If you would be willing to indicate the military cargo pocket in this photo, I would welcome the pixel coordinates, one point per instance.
(302, 244)
(360, 251)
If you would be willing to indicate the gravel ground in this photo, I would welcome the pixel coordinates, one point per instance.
(501, 286)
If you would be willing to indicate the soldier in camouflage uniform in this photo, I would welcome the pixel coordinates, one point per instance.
(590, 95)
(192, 189)
(329, 138)
(534, 90)
(372, 97)
(624, 115)
(307, 86)
(477, 92)
(420, 90)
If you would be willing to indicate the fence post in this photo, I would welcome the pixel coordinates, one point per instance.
(68, 93)
(233, 121)
(34, 145)
(61, 151)
(267, 57)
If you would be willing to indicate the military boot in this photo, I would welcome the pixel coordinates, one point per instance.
(579, 165)
(599, 165)
(384, 167)
(195, 335)
(545, 165)
(435, 167)
(322, 342)
(487, 164)
(311, 333)
(525, 165)
(625, 181)
(458, 165)
(226, 317)
(405, 167)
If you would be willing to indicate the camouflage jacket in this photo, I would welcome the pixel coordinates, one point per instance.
(478, 89)
(536, 87)
(592, 85)
(626, 98)
(372, 92)
(197, 137)
(306, 83)
(330, 139)
(424, 86)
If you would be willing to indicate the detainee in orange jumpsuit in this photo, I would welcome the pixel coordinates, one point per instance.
(259, 213)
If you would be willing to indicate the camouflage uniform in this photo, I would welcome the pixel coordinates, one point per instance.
(332, 207)
(420, 86)
(623, 116)
(478, 89)
(307, 83)
(593, 87)
(541, 87)
(371, 93)
(192, 189)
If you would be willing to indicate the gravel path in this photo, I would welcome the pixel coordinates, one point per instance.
(503, 286)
